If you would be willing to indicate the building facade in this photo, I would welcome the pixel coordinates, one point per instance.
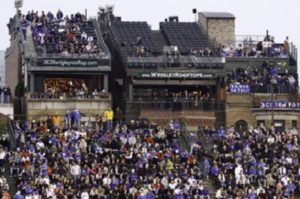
(2, 68)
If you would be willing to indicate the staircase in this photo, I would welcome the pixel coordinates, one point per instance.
(185, 142)
(207, 145)
(10, 180)
(159, 39)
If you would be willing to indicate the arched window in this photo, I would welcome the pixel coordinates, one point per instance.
(241, 125)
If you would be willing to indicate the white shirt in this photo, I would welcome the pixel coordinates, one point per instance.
(106, 181)
(132, 140)
(219, 193)
(2, 155)
(237, 171)
(172, 185)
(75, 170)
(84, 195)
(285, 180)
(40, 145)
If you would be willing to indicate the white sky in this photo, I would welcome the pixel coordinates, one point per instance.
(252, 17)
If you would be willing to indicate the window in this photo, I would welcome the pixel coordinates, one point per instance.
(279, 125)
(260, 123)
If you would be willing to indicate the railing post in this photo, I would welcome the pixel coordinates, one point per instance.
(11, 132)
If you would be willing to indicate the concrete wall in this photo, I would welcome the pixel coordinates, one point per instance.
(39, 108)
(192, 118)
(13, 67)
(7, 109)
(202, 21)
(222, 31)
(246, 107)
(2, 68)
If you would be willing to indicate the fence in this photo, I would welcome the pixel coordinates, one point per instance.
(185, 105)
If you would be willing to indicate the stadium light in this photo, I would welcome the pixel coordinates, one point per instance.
(18, 4)
(195, 13)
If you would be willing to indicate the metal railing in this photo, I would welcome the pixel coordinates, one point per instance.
(188, 61)
(73, 56)
(267, 88)
(45, 96)
(184, 131)
(187, 105)
(12, 134)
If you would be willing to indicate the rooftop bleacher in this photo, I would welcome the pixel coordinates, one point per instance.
(177, 35)
(127, 34)
(62, 35)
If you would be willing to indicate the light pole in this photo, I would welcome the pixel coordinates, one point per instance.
(195, 13)
(18, 5)
(273, 83)
(272, 108)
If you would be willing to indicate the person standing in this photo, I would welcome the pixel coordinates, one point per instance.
(6, 94)
(76, 117)
(56, 121)
(68, 120)
(49, 122)
(103, 127)
(109, 115)
(119, 117)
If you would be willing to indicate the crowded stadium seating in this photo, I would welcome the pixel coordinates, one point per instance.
(108, 157)
(263, 79)
(177, 35)
(255, 163)
(137, 160)
(62, 35)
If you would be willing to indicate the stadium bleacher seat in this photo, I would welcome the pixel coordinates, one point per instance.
(177, 35)
(128, 32)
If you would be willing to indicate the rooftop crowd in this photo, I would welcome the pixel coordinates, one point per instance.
(254, 163)
(249, 48)
(60, 33)
(134, 160)
(63, 88)
(263, 79)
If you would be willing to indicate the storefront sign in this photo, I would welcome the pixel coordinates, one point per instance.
(175, 75)
(71, 62)
(239, 88)
(279, 104)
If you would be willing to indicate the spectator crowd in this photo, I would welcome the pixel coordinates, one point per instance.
(250, 48)
(128, 160)
(4, 147)
(254, 163)
(78, 94)
(263, 79)
(61, 34)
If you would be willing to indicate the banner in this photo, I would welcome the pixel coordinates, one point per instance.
(174, 75)
(279, 104)
(240, 88)
(71, 62)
